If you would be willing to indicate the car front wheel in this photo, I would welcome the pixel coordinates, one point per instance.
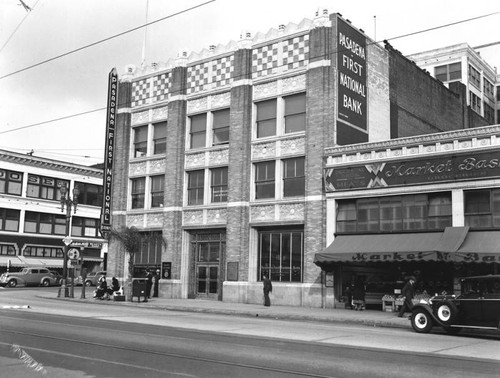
(45, 282)
(421, 321)
(88, 283)
(446, 312)
(12, 283)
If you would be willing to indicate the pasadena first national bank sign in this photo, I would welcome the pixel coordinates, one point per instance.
(351, 63)
(478, 165)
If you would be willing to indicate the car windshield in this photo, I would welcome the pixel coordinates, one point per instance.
(24, 270)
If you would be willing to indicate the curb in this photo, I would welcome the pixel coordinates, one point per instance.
(266, 314)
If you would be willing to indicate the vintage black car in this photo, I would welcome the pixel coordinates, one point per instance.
(478, 306)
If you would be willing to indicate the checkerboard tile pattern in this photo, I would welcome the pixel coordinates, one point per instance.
(280, 56)
(140, 92)
(221, 70)
(197, 77)
(265, 60)
(296, 52)
(161, 87)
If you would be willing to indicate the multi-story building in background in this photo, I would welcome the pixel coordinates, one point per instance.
(462, 63)
(219, 156)
(32, 224)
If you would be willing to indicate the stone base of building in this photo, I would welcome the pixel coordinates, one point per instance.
(284, 294)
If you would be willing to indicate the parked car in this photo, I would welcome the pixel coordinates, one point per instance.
(57, 275)
(29, 276)
(478, 306)
(93, 277)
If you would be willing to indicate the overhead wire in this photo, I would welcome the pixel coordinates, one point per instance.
(106, 39)
(18, 26)
(335, 52)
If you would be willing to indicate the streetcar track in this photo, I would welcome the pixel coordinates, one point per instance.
(150, 351)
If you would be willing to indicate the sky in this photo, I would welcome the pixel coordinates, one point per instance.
(56, 109)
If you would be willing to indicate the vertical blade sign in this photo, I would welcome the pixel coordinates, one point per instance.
(109, 152)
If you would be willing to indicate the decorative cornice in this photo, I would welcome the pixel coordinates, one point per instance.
(415, 141)
(55, 165)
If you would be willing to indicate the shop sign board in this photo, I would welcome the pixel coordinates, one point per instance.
(469, 166)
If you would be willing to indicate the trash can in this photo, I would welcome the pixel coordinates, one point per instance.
(139, 289)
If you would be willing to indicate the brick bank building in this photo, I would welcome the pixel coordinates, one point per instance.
(223, 159)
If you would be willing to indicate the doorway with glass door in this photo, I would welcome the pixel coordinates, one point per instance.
(208, 251)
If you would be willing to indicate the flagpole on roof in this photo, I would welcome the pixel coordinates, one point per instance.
(143, 61)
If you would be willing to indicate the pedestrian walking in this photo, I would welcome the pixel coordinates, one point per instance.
(408, 292)
(268, 288)
(149, 283)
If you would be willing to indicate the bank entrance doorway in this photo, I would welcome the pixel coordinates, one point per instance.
(207, 277)
(208, 251)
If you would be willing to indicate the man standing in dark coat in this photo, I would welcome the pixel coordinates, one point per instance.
(268, 287)
(149, 283)
(408, 292)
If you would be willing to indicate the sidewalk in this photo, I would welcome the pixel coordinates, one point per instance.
(375, 318)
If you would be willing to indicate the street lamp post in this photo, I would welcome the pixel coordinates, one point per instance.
(67, 203)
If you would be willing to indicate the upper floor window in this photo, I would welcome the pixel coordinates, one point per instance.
(89, 194)
(7, 250)
(498, 92)
(45, 187)
(482, 208)
(160, 138)
(475, 77)
(138, 192)
(448, 72)
(198, 130)
(87, 227)
(475, 102)
(266, 118)
(196, 187)
(11, 182)
(395, 214)
(295, 113)
(294, 177)
(488, 88)
(220, 127)
(43, 251)
(219, 184)
(157, 190)
(43, 223)
(265, 179)
(140, 141)
(9, 220)
(489, 113)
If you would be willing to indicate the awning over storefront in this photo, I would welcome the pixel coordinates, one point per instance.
(14, 261)
(380, 248)
(46, 263)
(480, 247)
(455, 244)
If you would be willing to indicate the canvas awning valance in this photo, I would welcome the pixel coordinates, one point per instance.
(454, 244)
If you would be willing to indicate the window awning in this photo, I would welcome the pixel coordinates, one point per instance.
(454, 244)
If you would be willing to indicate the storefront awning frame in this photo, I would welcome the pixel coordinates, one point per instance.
(454, 244)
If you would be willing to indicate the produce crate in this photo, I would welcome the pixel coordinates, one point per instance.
(388, 305)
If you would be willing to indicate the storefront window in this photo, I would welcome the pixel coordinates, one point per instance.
(280, 255)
